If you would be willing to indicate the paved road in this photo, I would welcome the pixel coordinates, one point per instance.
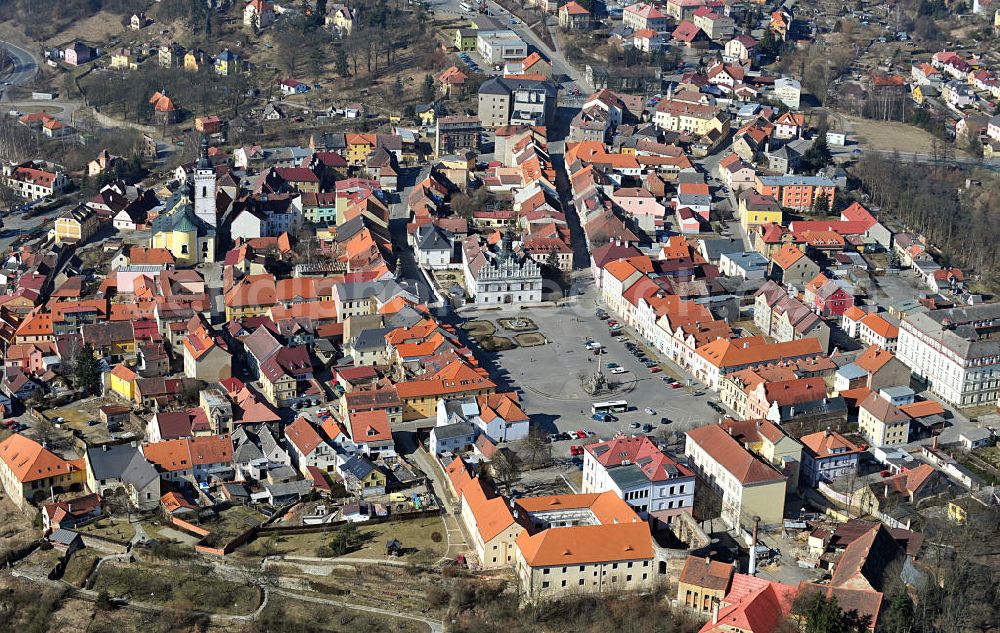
(25, 64)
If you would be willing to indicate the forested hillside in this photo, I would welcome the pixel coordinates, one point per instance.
(933, 200)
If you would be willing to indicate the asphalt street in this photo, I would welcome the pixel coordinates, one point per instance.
(25, 65)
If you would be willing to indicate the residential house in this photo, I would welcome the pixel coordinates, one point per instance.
(749, 487)
(121, 469)
(881, 422)
(574, 17)
(827, 455)
(653, 483)
(30, 473)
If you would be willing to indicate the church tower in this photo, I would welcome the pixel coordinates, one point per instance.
(204, 187)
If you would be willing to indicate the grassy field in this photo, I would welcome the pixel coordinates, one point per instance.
(16, 530)
(416, 536)
(479, 327)
(232, 522)
(888, 135)
(79, 565)
(194, 586)
(117, 529)
(289, 613)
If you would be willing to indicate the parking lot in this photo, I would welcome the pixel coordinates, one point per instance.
(551, 379)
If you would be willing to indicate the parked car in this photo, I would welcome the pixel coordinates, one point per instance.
(580, 434)
(618, 370)
(676, 385)
(646, 428)
(716, 406)
(649, 411)
(635, 425)
(575, 450)
(612, 365)
(664, 420)
(655, 369)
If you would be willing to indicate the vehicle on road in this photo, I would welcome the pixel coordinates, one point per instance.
(646, 428)
(610, 406)
(580, 434)
(655, 369)
(716, 406)
(664, 420)
(676, 385)
(635, 425)
(612, 365)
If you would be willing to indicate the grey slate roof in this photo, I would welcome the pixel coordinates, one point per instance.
(452, 431)
(123, 461)
(358, 466)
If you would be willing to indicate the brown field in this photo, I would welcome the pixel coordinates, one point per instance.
(96, 29)
(887, 135)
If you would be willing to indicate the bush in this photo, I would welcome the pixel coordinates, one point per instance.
(436, 537)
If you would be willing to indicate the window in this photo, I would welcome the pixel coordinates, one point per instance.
(545, 585)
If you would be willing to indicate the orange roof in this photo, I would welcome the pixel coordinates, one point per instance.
(827, 443)
(124, 373)
(369, 426)
(873, 359)
(169, 455)
(152, 256)
(253, 290)
(186, 453)
(303, 436)
(922, 409)
(30, 461)
(586, 544)
(854, 313)
(786, 256)
(574, 9)
(459, 475)
(754, 350)
(796, 391)
(730, 454)
(880, 326)
(492, 515)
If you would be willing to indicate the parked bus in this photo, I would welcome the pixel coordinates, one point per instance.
(613, 406)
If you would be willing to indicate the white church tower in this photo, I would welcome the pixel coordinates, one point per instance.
(204, 187)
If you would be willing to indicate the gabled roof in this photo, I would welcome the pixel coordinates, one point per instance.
(303, 436)
(30, 461)
(731, 455)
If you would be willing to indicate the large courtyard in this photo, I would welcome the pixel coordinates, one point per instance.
(551, 377)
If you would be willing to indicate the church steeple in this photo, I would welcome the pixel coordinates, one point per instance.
(204, 187)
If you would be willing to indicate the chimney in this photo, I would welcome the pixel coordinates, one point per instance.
(934, 442)
(753, 547)
(715, 613)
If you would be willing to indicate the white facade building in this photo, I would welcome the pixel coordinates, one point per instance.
(646, 478)
(955, 351)
(494, 277)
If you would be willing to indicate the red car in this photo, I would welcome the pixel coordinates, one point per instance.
(655, 369)
(675, 385)
(575, 450)
(580, 434)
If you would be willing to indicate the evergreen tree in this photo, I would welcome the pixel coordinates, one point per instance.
(88, 373)
(552, 260)
(821, 204)
(340, 61)
(428, 92)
